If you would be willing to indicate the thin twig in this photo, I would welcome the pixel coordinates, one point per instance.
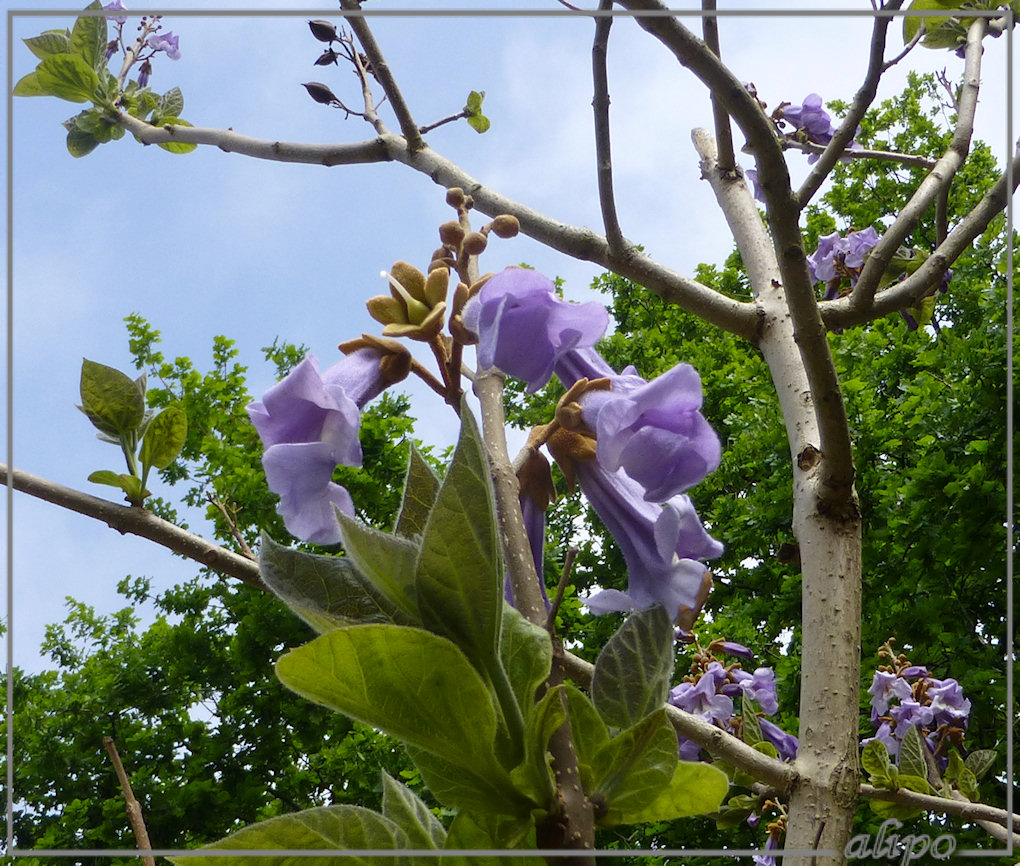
(134, 808)
(561, 588)
(138, 521)
(723, 132)
(907, 159)
(603, 149)
(862, 101)
(428, 127)
(863, 294)
(231, 519)
(382, 73)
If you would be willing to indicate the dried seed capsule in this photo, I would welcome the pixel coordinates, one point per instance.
(323, 30)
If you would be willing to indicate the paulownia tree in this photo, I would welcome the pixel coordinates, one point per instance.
(526, 744)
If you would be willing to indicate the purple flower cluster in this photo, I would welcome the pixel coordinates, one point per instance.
(709, 693)
(838, 256)
(810, 122)
(652, 442)
(911, 696)
(309, 424)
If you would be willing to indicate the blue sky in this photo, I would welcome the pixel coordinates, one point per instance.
(212, 243)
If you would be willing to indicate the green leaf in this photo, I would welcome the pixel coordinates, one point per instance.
(875, 760)
(633, 671)
(387, 561)
(474, 101)
(590, 733)
(483, 832)
(171, 103)
(415, 686)
(751, 727)
(139, 103)
(89, 37)
(164, 438)
(175, 146)
(69, 77)
(29, 85)
(535, 775)
(81, 142)
(405, 809)
(979, 762)
(420, 489)
(479, 123)
(895, 810)
(111, 400)
(475, 789)
(325, 591)
(695, 789)
(911, 760)
(131, 486)
(459, 576)
(525, 650)
(338, 828)
(49, 42)
(968, 785)
(633, 767)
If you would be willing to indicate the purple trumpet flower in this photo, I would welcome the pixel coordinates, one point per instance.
(653, 430)
(309, 424)
(523, 328)
(660, 543)
(168, 42)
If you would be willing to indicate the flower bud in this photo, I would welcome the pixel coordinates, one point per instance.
(536, 481)
(460, 297)
(425, 330)
(455, 196)
(474, 243)
(506, 226)
(451, 234)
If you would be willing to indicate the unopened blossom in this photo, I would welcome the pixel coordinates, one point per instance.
(523, 328)
(309, 424)
(661, 544)
(168, 42)
(786, 744)
(771, 844)
(653, 430)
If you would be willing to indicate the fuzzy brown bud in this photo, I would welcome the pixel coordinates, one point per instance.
(455, 196)
(474, 243)
(451, 234)
(506, 226)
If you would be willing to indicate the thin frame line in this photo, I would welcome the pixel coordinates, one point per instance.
(480, 13)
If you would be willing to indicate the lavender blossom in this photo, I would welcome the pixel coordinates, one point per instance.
(523, 328)
(947, 702)
(836, 255)
(786, 744)
(309, 424)
(653, 430)
(811, 119)
(660, 543)
(116, 6)
(884, 687)
(168, 42)
(764, 859)
(759, 686)
(701, 698)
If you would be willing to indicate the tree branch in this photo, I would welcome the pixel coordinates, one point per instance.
(580, 243)
(723, 133)
(382, 73)
(843, 313)
(134, 809)
(603, 149)
(138, 521)
(862, 101)
(863, 295)
(963, 809)
(908, 159)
